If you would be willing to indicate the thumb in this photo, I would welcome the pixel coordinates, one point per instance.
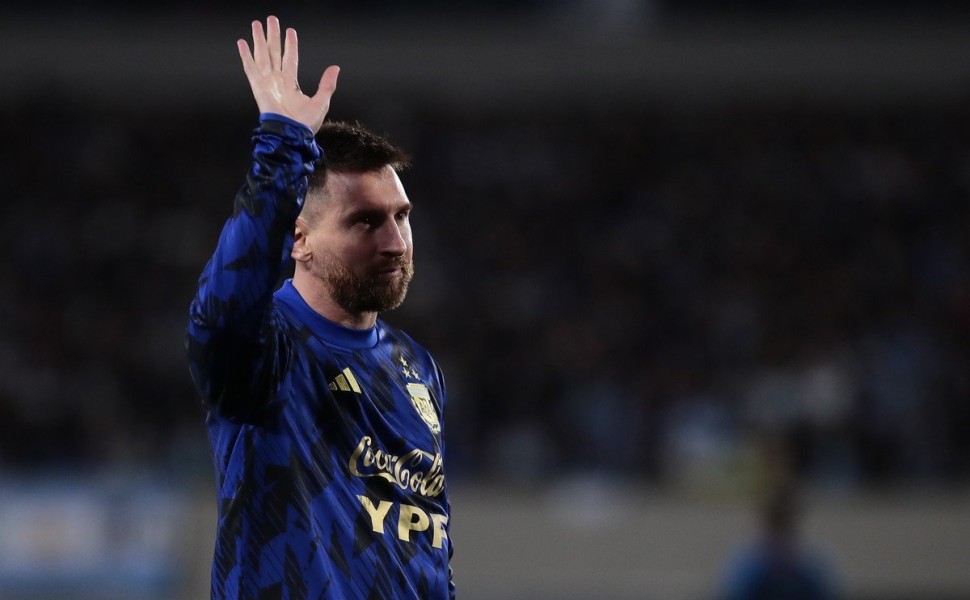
(328, 83)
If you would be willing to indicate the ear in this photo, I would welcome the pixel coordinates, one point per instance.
(301, 251)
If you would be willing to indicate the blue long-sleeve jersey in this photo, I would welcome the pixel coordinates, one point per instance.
(326, 440)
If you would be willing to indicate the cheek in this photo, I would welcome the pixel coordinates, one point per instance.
(331, 242)
(349, 252)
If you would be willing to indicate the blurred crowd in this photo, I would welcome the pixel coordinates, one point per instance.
(646, 293)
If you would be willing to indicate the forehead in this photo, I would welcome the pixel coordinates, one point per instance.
(373, 190)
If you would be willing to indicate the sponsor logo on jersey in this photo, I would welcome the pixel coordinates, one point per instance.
(409, 519)
(418, 471)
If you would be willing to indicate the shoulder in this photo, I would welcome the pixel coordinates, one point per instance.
(282, 324)
(403, 346)
(402, 339)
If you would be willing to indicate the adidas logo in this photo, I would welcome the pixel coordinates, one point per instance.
(345, 382)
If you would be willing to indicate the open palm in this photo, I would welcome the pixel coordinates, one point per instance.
(271, 67)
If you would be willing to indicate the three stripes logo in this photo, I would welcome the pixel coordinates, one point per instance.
(345, 382)
(419, 393)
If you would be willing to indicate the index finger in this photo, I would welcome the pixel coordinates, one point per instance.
(260, 53)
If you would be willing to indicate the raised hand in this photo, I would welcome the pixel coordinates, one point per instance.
(272, 73)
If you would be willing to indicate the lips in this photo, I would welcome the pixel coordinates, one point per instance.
(390, 269)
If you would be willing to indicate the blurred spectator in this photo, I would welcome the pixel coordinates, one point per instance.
(778, 564)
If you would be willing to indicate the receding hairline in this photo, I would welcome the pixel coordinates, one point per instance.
(319, 197)
(348, 149)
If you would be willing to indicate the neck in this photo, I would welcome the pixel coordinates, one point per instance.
(317, 297)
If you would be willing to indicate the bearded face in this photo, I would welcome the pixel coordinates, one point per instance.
(377, 289)
(353, 247)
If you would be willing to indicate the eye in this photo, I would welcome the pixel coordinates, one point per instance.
(365, 221)
(403, 215)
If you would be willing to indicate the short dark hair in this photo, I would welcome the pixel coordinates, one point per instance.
(352, 148)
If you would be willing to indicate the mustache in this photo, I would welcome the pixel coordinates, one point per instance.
(396, 261)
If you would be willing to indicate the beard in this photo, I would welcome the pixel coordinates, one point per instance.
(368, 292)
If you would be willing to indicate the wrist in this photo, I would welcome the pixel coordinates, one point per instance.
(271, 116)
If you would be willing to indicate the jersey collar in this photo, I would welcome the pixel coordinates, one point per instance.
(328, 331)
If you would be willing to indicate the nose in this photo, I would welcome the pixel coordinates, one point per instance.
(395, 238)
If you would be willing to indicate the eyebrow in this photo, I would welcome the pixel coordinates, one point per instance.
(359, 213)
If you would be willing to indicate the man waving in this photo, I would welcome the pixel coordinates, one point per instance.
(325, 422)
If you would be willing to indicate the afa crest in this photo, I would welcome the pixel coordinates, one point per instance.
(421, 399)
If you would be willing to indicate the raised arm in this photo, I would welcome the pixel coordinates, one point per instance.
(233, 344)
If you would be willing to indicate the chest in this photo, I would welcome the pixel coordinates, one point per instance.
(380, 403)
